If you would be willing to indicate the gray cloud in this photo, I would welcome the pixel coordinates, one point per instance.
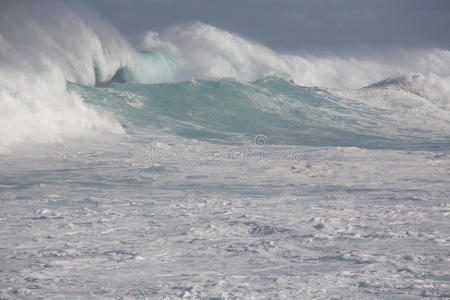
(293, 25)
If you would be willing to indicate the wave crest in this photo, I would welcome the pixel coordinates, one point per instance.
(44, 44)
(208, 52)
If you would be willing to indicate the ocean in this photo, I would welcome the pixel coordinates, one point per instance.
(196, 164)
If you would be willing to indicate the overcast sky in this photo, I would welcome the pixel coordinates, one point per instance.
(292, 25)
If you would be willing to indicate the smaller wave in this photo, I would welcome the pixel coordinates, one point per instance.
(431, 87)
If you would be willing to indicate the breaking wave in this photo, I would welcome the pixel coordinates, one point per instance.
(45, 45)
(206, 52)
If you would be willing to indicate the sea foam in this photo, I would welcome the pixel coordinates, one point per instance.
(44, 44)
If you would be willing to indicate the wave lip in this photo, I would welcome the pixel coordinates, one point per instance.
(42, 36)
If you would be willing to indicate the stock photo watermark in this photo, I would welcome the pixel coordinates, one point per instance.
(259, 152)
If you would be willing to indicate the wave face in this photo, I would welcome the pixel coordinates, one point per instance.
(228, 111)
(45, 46)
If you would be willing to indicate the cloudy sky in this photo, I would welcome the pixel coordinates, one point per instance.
(293, 25)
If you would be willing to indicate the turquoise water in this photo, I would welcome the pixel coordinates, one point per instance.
(232, 112)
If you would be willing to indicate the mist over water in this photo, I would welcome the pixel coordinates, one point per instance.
(191, 162)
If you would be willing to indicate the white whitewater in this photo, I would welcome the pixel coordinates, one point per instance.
(172, 167)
